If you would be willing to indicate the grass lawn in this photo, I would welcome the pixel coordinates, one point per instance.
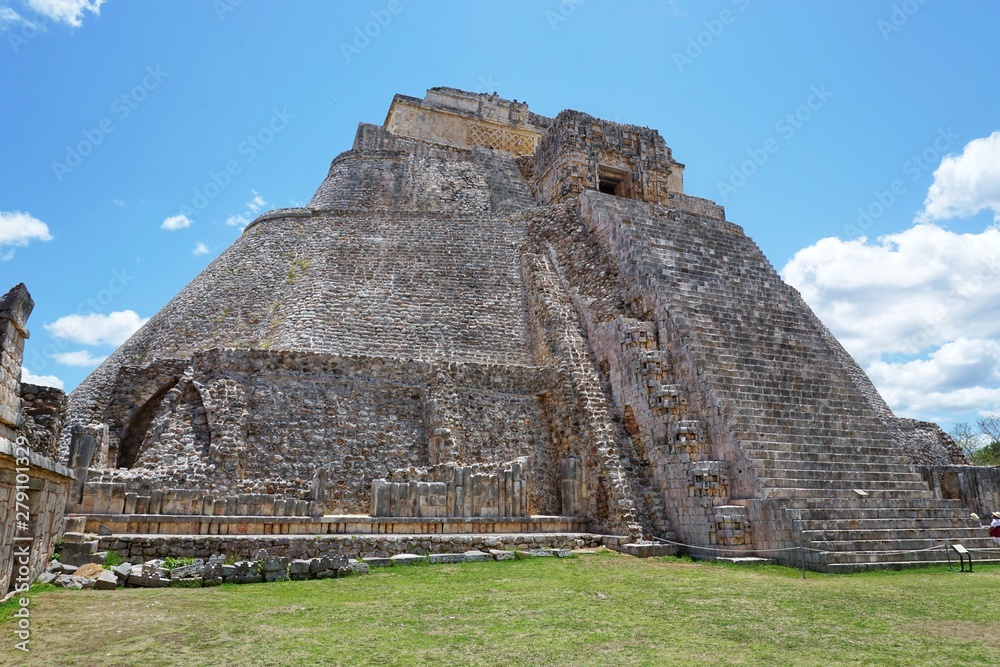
(605, 609)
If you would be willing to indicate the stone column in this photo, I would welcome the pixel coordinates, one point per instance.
(15, 307)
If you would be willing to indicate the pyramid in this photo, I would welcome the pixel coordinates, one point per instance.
(488, 315)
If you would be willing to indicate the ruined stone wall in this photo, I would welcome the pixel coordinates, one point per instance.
(265, 422)
(33, 488)
(44, 415)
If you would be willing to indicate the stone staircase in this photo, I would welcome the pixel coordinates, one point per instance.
(803, 436)
(897, 523)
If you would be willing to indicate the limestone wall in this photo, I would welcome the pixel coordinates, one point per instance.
(265, 422)
(33, 488)
(581, 152)
(978, 487)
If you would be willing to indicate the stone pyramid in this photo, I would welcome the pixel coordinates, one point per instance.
(484, 313)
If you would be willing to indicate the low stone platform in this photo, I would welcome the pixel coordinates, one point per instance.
(327, 525)
(137, 548)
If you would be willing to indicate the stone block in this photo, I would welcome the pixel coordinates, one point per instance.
(446, 558)
(475, 556)
(107, 581)
(408, 559)
(500, 554)
(376, 561)
(187, 571)
(357, 567)
(298, 569)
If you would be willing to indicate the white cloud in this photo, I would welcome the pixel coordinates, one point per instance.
(19, 229)
(257, 203)
(237, 221)
(97, 329)
(78, 358)
(200, 249)
(44, 380)
(69, 12)
(253, 207)
(966, 184)
(175, 222)
(118, 202)
(917, 309)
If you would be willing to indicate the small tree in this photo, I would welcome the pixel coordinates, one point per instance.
(981, 445)
(966, 437)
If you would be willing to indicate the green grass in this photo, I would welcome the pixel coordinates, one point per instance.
(605, 609)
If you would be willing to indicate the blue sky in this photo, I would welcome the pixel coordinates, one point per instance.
(853, 140)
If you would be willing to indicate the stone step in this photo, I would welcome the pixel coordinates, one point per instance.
(819, 482)
(860, 516)
(837, 474)
(888, 531)
(881, 461)
(813, 508)
(937, 558)
(841, 448)
(874, 494)
(904, 546)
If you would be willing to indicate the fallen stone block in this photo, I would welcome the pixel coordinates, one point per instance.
(107, 581)
(298, 570)
(562, 553)
(408, 559)
(499, 554)
(122, 571)
(71, 582)
(375, 561)
(247, 572)
(476, 556)
(46, 577)
(275, 575)
(68, 569)
(540, 553)
(187, 571)
(275, 564)
(89, 571)
(357, 567)
(446, 558)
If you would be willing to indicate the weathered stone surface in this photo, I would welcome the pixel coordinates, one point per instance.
(357, 567)
(446, 558)
(474, 555)
(107, 580)
(499, 554)
(72, 582)
(408, 559)
(483, 313)
(89, 571)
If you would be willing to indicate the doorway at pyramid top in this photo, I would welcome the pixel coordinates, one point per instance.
(580, 152)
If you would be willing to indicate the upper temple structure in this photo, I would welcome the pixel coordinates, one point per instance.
(488, 321)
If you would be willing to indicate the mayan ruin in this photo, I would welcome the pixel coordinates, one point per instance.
(488, 322)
